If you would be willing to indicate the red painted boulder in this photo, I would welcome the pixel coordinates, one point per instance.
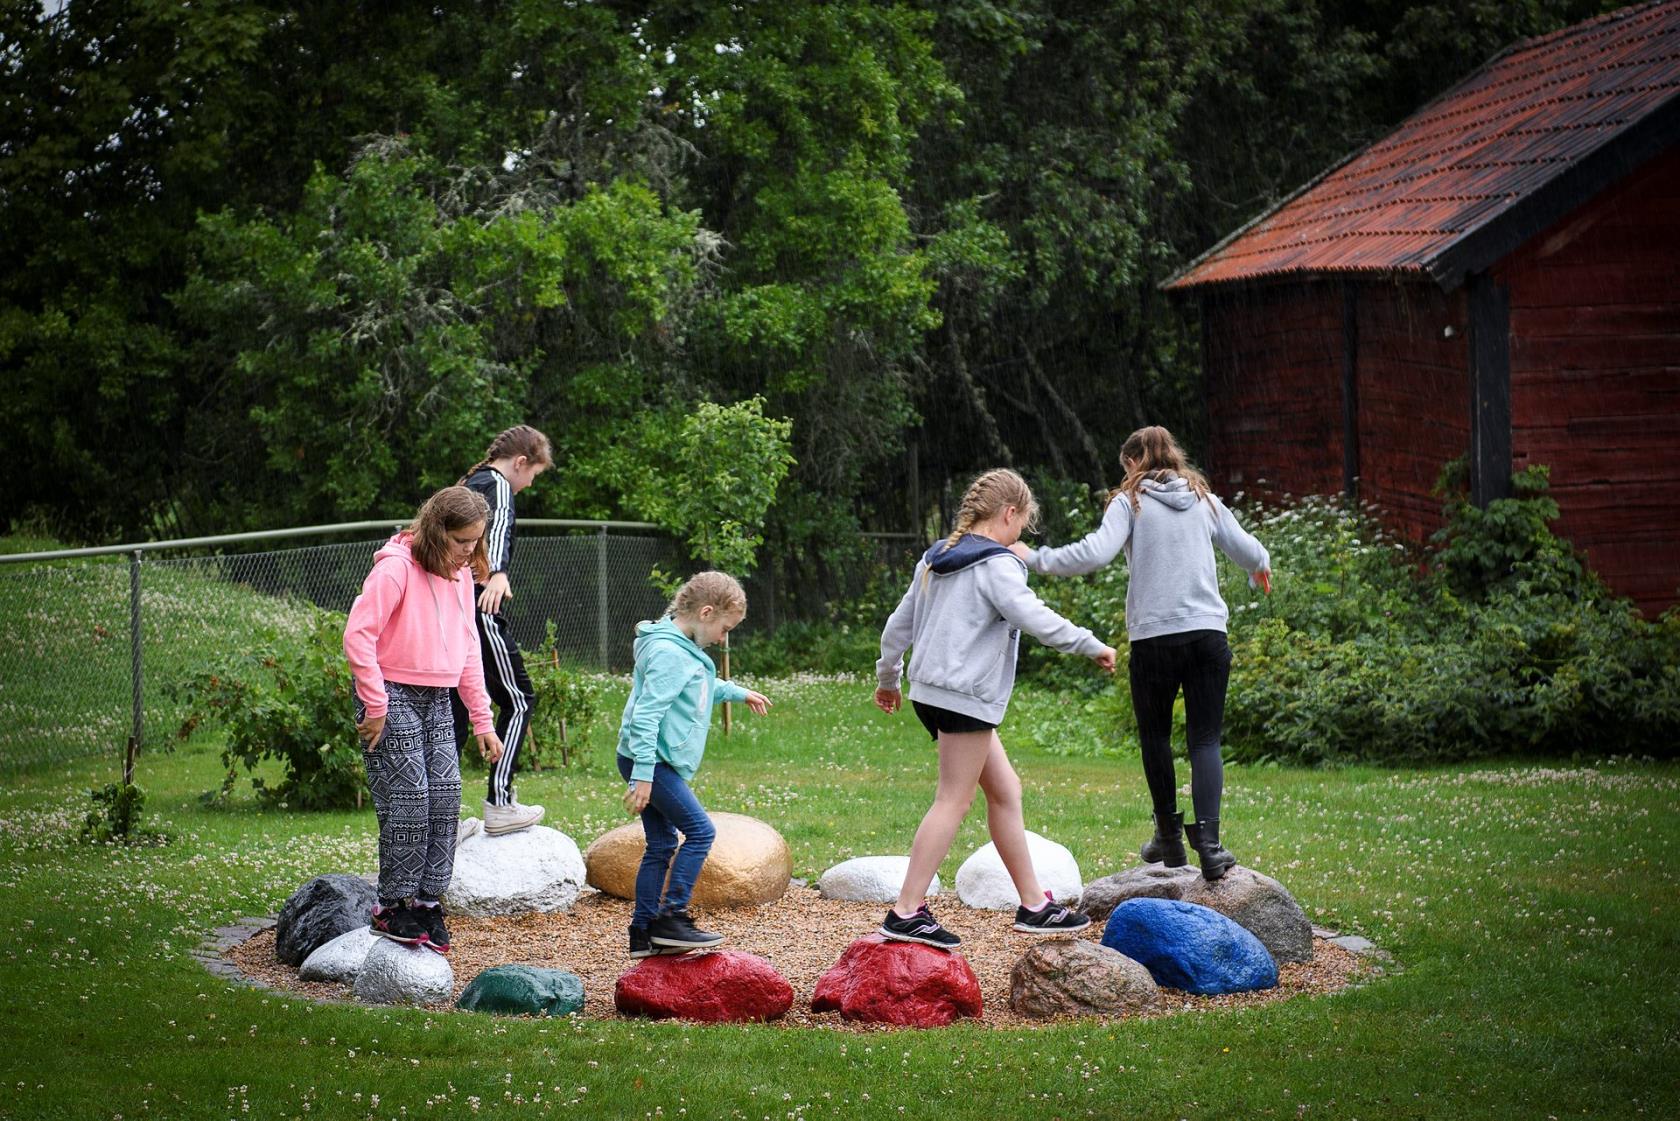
(902, 983)
(725, 986)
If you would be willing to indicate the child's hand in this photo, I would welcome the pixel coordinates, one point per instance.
(888, 700)
(1263, 579)
(1105, 660)
(369, 731)
(495, 591)
(758, 702)
(490, 746)
(636, 797)
(1020, 550)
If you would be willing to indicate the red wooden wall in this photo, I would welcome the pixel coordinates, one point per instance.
(1595, 376)
(1414, 398)
(1273, 359)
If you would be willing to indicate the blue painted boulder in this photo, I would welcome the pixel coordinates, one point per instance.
(1190, 947)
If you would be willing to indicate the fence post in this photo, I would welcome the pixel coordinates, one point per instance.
(601, 594)
(137, 729)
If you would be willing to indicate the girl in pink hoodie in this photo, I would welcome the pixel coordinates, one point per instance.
(410, 639)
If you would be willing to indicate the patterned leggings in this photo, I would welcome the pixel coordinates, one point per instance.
(414, 772)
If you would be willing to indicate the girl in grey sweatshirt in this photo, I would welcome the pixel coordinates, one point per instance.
(1167, 522)
(964, 612)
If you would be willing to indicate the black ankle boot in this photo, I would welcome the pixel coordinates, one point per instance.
(1204, 838)
(1167, 845)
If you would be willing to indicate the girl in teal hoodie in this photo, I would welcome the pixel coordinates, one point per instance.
(660, 742)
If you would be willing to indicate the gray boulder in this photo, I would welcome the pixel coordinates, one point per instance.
(320, 911)
(1254, 901)
(394, 973)
(340, 959)
(1067, 977)
(868, 879)
(536, 869)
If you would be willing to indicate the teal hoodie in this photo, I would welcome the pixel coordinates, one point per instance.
(672, 693)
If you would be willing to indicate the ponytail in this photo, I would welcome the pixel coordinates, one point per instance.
(519, 440)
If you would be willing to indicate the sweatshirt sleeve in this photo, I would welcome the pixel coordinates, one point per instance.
(498, 535)
(1005, 586)
(895, 636)
(382, 594)
(1236, 542)
(473, 693)
(1094, 550)
(664, 678)
(726, 690)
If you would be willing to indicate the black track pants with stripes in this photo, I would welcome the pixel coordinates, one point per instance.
(414, 774)
(510, 689)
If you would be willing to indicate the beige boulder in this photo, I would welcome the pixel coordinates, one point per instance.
(749, 863)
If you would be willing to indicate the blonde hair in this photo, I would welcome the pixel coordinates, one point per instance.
(708, 589)
(1154, 454)
(519, 440)
(986, 498)
(450, 509)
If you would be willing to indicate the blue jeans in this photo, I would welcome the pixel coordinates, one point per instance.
(671, 808)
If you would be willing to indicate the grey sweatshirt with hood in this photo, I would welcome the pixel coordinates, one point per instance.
(964, 613)
(1169, 543)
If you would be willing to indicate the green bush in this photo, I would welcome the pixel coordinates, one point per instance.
(568, 706)
(115, 817)
(286, 697)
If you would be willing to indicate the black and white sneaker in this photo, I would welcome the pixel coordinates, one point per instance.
(676, 931)
(641, 946)
(397, 922)
(920, 927)
(1050, 919)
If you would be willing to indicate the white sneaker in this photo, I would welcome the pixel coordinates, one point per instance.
(466, 827)
(510, 818)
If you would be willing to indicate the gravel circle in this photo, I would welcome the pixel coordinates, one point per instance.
(802, 935)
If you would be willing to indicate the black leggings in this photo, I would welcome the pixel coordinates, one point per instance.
(1200, 662)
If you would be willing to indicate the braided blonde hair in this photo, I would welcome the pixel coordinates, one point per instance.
(987, 496)
(708, 589)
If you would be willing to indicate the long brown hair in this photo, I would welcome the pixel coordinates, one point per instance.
(1154, 454)
(987, 496)
(450, 509)
(519, 440)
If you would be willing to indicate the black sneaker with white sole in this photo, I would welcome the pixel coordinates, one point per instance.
(641, 946)
(676, 931)
(1050, 919)
(920, 927)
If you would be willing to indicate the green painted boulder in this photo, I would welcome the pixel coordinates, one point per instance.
(523, 990)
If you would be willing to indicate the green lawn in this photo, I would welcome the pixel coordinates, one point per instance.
(1532, 909)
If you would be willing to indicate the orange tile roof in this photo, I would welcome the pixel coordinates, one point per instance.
(1461, 181)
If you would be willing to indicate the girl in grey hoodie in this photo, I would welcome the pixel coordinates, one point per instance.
(964, 613)
(1168, 524)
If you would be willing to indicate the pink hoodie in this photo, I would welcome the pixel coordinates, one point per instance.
(416, 628)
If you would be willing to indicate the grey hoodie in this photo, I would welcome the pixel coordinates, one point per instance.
(964, 613)
(1169, 546)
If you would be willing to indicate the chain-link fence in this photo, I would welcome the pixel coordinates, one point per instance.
(94, 647)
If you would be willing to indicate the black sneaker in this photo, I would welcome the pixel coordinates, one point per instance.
(677, 931)
(1050, 919)
(920, 927)
(641, 945)
(431, 918)
(397, 922)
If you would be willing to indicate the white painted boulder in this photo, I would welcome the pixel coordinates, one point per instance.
(340, 959)
(983, 883)
(395, 973)
(868, 879)
(536, 869)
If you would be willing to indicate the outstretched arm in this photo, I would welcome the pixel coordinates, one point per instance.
(1091, 552)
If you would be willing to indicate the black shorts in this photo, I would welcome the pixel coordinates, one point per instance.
(937, 720)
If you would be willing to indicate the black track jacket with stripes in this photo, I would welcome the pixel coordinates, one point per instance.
(498, 535)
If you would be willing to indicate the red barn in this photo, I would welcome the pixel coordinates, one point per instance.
(1499, 277)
